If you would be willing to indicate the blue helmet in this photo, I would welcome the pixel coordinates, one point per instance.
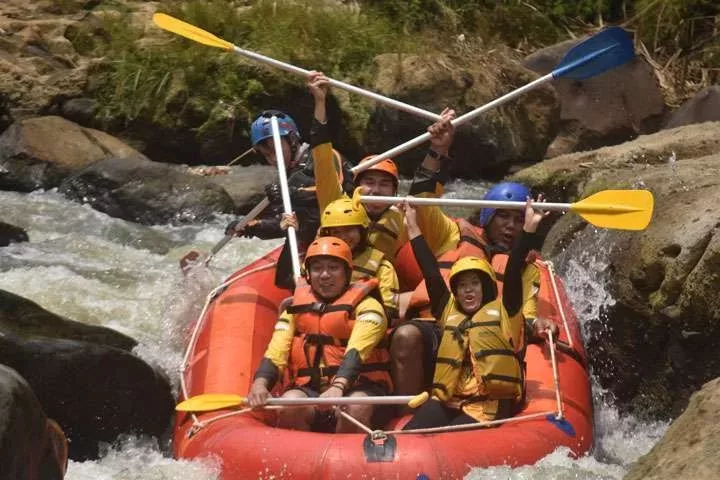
(506, 191)
(261, 129)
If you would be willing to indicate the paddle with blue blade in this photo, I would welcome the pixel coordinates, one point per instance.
(601, 52)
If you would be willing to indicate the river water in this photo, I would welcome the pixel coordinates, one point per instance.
(96, 269)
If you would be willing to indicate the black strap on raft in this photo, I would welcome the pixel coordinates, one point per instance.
(379, 447)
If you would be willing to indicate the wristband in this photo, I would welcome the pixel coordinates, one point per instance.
(339, 385)
(437, 156)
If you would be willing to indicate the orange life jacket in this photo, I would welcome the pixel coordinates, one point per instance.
(322, 331)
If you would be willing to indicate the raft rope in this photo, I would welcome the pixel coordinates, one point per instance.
(561, 309)
(382, 434)
(197, 424)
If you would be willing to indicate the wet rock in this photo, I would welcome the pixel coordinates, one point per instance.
(703, 107)
(139, 190)
(23, 317)
(84, 376)
(608, 109)
(11, 234)
(32, 447)
(41, 152)
(656, 343)
(246, 185)
(688, 449)
(490, 145)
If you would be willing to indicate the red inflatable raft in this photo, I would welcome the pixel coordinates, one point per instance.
(230, 338)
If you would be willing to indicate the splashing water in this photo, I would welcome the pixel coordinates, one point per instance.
(93, 268)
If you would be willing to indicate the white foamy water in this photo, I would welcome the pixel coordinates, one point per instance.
(93, 268)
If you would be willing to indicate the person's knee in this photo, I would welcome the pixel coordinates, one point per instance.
(407, 342)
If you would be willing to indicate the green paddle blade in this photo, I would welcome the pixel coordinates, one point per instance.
(619, 209)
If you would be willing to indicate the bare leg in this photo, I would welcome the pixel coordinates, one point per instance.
(406, 360)
(362, 413)
(296, 418)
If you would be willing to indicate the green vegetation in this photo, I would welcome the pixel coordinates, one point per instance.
(155, 77)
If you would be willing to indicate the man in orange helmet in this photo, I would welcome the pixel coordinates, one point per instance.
(328, 339)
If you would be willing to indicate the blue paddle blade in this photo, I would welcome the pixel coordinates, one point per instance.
(603, 51)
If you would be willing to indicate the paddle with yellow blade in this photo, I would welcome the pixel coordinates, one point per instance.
(219, 401)
(617, 209)
(172, 24)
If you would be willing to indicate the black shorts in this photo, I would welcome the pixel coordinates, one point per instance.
(431, 341)
(325, 420)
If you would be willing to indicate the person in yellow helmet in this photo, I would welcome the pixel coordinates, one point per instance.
(479, 370)
(344, 220)
(329, 341)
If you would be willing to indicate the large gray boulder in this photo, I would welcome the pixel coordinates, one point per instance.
(32, 447)
(492, 144)
(140, 190)
(703, 107)
(689, 447)
(85, 377)
(607, 109)
(40, 152)
(657, 342)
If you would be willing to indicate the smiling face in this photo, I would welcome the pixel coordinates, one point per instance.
(505, 227)
(468, 291)
(352, 235)
(328, 277)
(266, 148)
(378, 184)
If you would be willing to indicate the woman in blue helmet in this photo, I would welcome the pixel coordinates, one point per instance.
(301, 183)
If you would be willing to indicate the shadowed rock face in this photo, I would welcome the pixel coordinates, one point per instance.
(84, 376)
(608, 109)
(11, 234)
(31, 446)
(689, 447)
(658, 342)
(703, 107)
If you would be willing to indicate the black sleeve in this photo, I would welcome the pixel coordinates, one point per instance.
(268, 371)
(437, 290)
(348, 184)
(265, 229)
(513, 288)
(319, 133)
(428, 181)
(284, 275)
(350, 366)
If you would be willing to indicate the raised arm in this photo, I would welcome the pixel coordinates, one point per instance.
(513, 286)
(437, 290)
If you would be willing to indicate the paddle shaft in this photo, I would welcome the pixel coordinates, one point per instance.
(389, 400)
(455, 202)
(287, 206)
(342, 85)
(462, 119)
(251, 215)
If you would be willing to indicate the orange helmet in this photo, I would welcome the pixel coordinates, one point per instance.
(329, 247)
(385, 166)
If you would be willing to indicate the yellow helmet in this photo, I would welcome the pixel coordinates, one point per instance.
(470, 263)
(342, 213)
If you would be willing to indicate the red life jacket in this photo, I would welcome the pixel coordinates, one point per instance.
(322, 331)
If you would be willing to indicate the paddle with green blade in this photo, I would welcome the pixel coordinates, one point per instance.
(219, 401)
(184, 29)
(616, 209)
(601, 52)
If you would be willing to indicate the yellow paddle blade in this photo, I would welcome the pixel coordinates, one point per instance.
(210, 401)
(419, 399)
(172, 24)
(619, 209)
